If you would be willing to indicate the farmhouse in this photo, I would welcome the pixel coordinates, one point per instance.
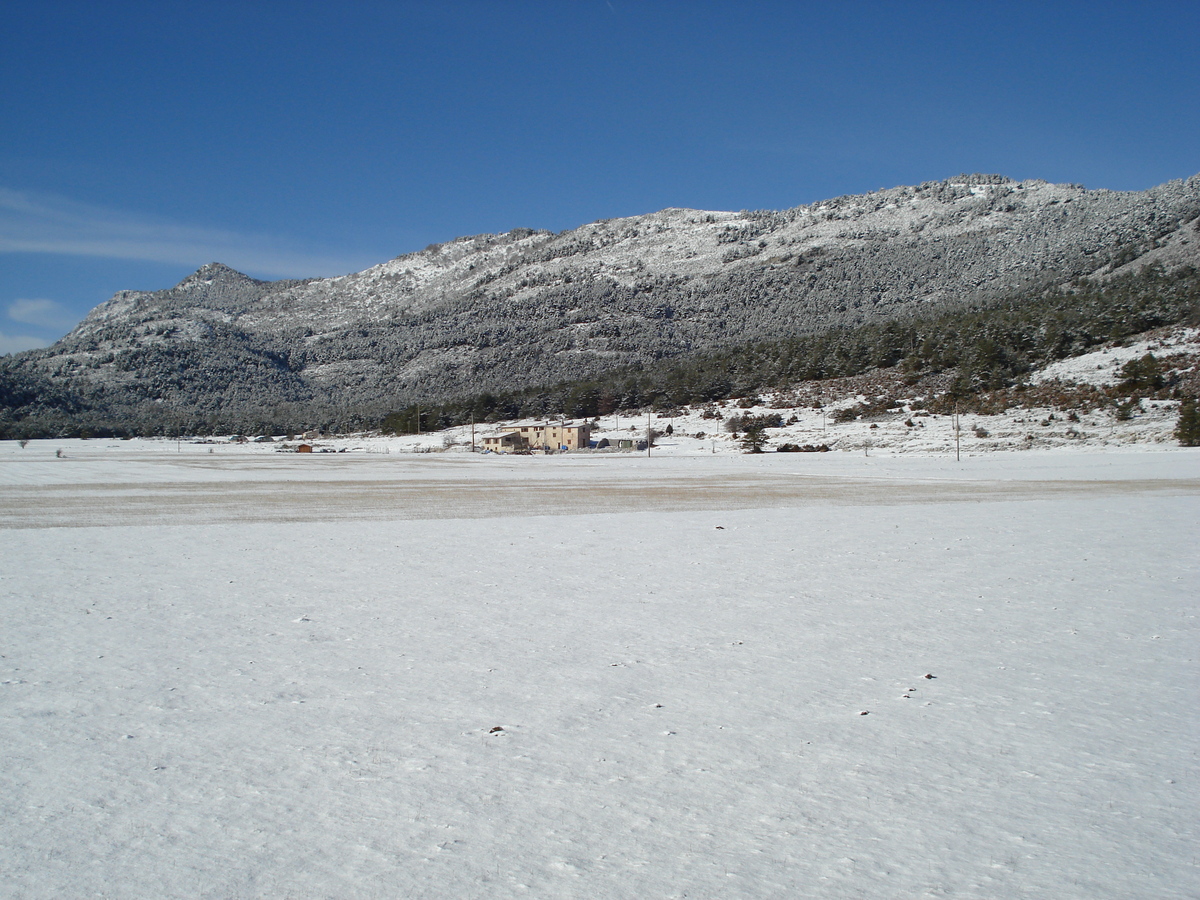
(509, 442)
(545, 437)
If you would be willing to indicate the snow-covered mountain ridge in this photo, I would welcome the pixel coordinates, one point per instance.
(520, 264)
(495, 312)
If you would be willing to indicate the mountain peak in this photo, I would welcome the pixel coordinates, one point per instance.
(978, 178)
(214, 273)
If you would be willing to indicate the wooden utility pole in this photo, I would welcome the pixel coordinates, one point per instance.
(648, 441)
(957, 450)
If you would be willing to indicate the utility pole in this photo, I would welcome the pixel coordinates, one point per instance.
(648, 441)
(472, 433)
(957, 451)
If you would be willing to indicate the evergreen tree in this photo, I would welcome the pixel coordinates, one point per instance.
(754, 439)
(1187, 431)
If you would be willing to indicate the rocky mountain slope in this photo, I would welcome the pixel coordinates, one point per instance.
(496, 312)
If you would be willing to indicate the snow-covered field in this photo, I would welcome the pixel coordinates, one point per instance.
(242, 673)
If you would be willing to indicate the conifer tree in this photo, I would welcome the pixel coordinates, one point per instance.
(755, 438)
(1187, 431)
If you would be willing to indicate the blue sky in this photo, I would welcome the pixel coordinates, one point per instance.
(139, 141)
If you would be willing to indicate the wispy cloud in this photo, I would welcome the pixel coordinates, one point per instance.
(40, 223)
(43, 313)
(15, 343)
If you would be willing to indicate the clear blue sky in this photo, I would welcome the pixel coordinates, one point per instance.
(140, 140)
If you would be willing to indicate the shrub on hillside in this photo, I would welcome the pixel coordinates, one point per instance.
(876, 407)
(1125, 409)
(1142, 374)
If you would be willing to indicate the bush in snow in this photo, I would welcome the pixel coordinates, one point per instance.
(734, 424)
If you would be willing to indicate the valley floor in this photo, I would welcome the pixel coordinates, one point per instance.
(243, 673)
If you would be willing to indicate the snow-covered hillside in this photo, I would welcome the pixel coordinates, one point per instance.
(530, 308)
(1178, 349)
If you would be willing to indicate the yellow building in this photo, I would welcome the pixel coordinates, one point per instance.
(545, 437)
(509, 442)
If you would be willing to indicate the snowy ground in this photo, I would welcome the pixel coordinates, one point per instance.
(375, 675)
(1151, 425)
